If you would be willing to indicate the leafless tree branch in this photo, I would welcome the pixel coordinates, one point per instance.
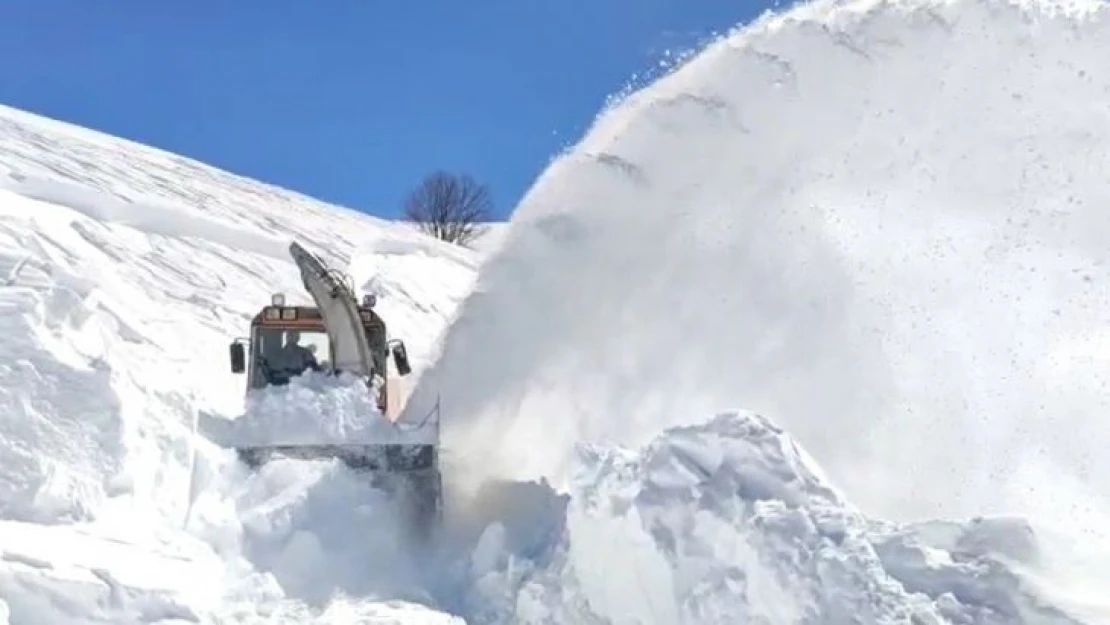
(450, 207)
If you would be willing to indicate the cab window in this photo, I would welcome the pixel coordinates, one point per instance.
(283, 353)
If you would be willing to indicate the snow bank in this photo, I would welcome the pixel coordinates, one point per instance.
(730, 521)
(881, 222)
(64, 440)
(878, 222)
(86, 574)
(318, 528)
(314, 408)
(124, 274)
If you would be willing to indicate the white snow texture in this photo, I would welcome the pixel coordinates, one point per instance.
(314, 408)
(878, 226)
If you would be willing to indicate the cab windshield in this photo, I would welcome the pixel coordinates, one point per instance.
(281, 354)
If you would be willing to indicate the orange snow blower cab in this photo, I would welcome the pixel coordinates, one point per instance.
(287, 341)
(342, 335)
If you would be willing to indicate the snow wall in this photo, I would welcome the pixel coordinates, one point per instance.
(882, 224)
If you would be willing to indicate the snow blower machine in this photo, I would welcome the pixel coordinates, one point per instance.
(343, 335)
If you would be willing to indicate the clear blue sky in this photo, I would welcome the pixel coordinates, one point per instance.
(352, 101)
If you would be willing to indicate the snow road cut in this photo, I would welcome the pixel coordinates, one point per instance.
(812, 330)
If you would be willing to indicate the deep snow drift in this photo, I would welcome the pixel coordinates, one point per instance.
(124, 274)
(729, 521)
(809, 220)
(882, 223)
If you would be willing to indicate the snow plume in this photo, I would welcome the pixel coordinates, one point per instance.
(882, 223)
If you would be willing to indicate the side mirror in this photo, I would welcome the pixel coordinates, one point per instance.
(238, 357)
(401, 358)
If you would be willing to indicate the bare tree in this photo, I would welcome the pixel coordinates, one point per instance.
(450, 207)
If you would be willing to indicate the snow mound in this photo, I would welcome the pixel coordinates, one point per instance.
(879, 222)
(314, 408)
(84, 574)
(730, 521)
(318, 528)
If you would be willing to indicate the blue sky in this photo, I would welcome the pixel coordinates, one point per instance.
(351, 101)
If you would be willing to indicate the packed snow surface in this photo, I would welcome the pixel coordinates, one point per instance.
(877, 223)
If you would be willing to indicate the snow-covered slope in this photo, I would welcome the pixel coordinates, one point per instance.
(876, 223)
(125, 274)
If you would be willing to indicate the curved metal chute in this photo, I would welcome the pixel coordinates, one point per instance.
(339, 310)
